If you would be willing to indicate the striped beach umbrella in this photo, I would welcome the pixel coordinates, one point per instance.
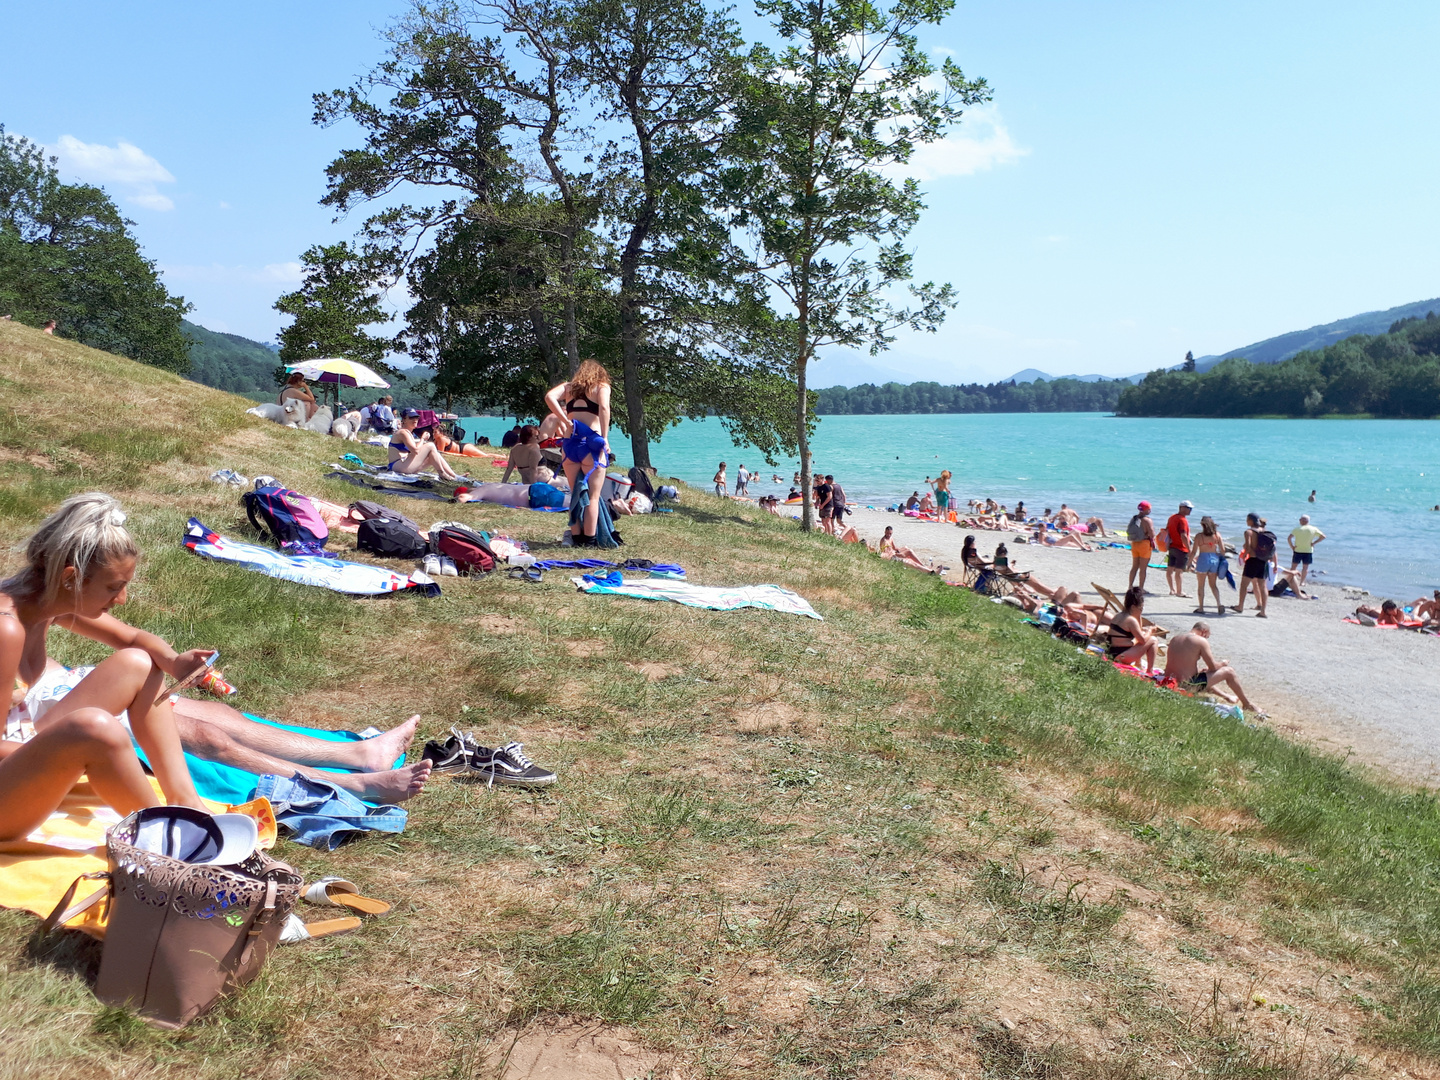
(338, 370)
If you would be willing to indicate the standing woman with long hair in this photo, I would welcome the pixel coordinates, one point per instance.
(1205, 559)
(582, 406)
(63, 723)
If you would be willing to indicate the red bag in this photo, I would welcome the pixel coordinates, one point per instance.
(466, 547)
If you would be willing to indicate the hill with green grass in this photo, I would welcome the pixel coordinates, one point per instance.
(917, 839)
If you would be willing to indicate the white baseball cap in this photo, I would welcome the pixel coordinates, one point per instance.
(1187, 504)
(195, 836)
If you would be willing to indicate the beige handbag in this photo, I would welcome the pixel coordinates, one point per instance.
(182, 935)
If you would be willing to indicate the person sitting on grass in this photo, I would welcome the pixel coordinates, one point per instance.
(207, 729)
(1190, 663)
(525, 456)
(1129, 642)
(409, 455)
(296, 390)
(78, 565)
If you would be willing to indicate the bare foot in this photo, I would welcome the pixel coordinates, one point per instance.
(390, 786)
(380, 752)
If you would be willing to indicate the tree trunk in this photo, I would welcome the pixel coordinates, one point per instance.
(802, 415)
(634, 403)
(571, 331)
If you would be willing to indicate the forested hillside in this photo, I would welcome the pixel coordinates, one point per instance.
(1058, 395)
(230, 362)
(1395, 374)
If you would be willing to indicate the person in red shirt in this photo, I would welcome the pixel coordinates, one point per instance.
(1177, 532)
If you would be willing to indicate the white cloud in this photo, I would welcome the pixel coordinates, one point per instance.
(133, 173)
(981, 143)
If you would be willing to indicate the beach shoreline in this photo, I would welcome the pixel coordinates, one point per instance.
(1344, 689)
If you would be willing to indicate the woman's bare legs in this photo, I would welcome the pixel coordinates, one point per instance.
(1136, 653)
(592, 512)
(425, 453)
(35, 776)
(572, 473)
(128, 681)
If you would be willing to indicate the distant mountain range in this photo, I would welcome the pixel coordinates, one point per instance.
(1031, 374)
(1273, 350)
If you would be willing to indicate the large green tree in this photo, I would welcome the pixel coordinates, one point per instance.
(823, 125)
(67, 254)
(662, 73)
(338, 297)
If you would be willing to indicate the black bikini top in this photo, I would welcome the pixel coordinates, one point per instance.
(582, 404)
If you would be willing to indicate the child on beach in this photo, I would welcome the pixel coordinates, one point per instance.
(721, 486)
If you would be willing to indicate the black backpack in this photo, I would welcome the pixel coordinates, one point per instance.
(391, 539)
(1264, 544)
(640, 481)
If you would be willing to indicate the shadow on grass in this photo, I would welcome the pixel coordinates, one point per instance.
(68, 952)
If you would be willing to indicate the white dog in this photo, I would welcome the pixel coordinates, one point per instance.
(347, 427)
(292, 414)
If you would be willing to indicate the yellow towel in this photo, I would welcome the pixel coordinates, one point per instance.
(36, 871)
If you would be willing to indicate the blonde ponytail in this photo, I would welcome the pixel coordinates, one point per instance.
(87, 532)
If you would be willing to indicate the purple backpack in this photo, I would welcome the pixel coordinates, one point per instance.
(287, 517)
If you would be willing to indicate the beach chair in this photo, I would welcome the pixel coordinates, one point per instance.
(1113, 601)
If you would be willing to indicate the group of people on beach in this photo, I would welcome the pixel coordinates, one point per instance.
(1204, 554)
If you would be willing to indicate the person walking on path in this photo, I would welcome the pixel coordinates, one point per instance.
(1303, 539)
(1177, 533)
(1256, 557)
(1141, 534)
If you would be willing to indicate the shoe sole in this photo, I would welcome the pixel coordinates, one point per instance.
(511, 781)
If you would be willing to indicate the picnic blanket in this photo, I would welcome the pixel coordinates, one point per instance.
(369, 483)
(352, 579)
(769, 597)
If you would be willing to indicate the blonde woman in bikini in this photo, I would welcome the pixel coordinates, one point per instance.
(78, 565)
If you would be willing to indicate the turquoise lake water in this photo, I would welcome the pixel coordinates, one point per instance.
(1375, 479)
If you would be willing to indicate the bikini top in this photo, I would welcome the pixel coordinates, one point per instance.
(582, 404)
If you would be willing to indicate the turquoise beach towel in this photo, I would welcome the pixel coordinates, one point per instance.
(227, 784)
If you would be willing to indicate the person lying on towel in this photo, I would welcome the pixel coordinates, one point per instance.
(79, 564)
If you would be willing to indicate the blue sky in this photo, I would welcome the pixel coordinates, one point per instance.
(1151, 178)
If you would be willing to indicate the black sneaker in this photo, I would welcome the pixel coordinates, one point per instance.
(454, 754)
(508, 765)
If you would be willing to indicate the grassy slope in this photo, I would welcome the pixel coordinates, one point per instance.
(917, 839)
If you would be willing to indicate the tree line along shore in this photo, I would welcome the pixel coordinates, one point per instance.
(1393, 375)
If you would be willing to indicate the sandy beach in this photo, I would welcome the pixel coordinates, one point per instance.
(1341, 687)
